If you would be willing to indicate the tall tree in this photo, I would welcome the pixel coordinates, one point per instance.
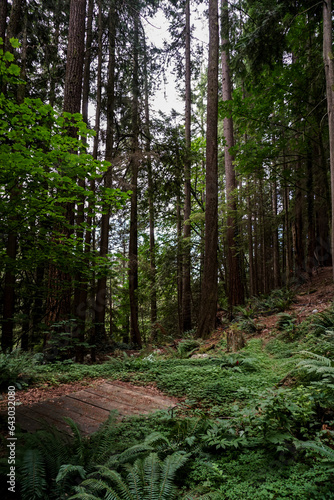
(186, 282)
(134, 164)
(208, 308)
(235, 288)
(60, 287)
(101, 288)
(329, 72)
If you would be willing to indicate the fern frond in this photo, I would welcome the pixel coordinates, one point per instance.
(115, 478)
(67, 469)
(322, 359)
(135, 480)
(79, 440)
(156, 438)
(151, 476)
(129, 455)
(169, 467)
(33, 475)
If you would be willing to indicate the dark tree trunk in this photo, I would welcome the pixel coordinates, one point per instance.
(81, 288)
(179, 264)
(60, 288)
(134, 164)
(311, 244)
(153, 292)
(208, 308)
(186, 284)
(252, 286)
(15, 22)
(276, 259)
(3, 19)
(329, 72)
(235, 288)
(9, 296)
(101, 290)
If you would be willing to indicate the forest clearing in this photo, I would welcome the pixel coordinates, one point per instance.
(166, 241)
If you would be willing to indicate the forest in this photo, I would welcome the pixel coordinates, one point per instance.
(188, 249)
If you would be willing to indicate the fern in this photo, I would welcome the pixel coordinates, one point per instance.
(323, 450)
(33, 476)
(67, 469)
(169, 468)
(79, 442)
(146, 479)
(316, 364)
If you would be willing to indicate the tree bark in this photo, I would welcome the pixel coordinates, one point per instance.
(276, 260)
(81, 288)
(3, 20)
(209, 289)
(186, 282)
(153, 292)
(236, 288)
(134, 164)
(329, 72)
(101, 289)
(60, 287)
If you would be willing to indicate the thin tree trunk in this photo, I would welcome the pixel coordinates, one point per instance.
(186, 293)
(81, 288)
(9, 295)
(101, 290)
(134, 164)
(3, 19)
(310, 214)
(329, 71)
(236, 289)
(276, 260)
(179, 264)
(208, 308)
(288, 264)
(250, 243)
(153, 292)
(15, 22)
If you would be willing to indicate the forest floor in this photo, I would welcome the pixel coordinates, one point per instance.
(311, 297)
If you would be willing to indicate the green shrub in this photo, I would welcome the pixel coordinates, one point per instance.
(16, 368)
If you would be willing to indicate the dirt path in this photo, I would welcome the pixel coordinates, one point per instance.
(90, 406)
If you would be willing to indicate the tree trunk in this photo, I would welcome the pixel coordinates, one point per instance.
(329, 71)
(235, 289)
(186, 293)
(59, 299)
(134, 164)
(153, 292)
(209, 290)
(15, 22)
(276, 266)
(311, 244)
(3, 20)
(9, 296)
(81, 291)
(179, 264)
(101, 289)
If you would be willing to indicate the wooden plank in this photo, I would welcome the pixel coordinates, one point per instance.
(31, 420)
(110, 401)
(131, 397)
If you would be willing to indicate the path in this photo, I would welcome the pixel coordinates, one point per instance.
(90, 407)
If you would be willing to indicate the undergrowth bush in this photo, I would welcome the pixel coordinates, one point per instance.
(17, 368)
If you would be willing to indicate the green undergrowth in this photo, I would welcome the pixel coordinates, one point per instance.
(256, 424)
(217, 380)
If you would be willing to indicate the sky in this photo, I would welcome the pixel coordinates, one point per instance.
(156, 28)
